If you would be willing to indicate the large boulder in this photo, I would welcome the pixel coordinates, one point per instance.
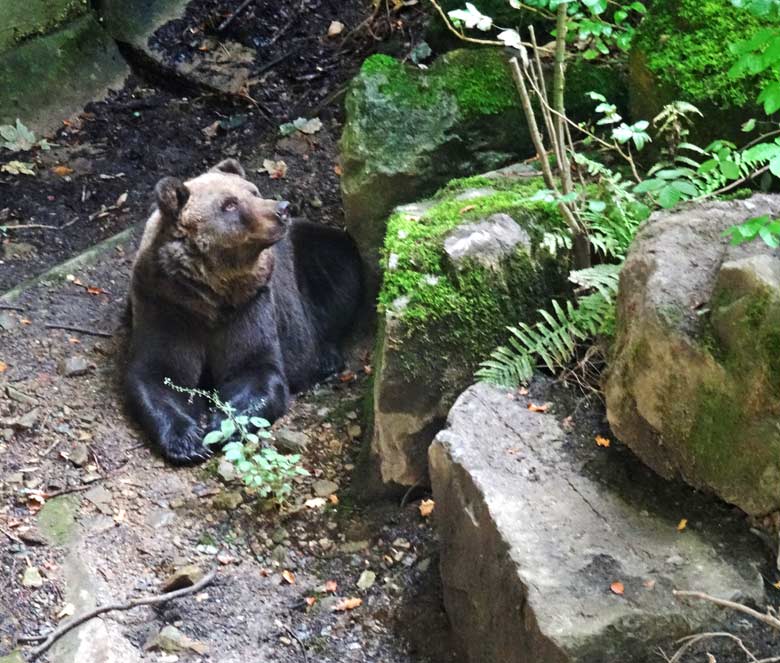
(64, 60)
(678, 53)
(409, 131)
(459, 268)
(555, 550)
(694, 381)
(23, 20)
(224, 69)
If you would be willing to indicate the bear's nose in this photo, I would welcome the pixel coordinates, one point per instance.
(283, 212)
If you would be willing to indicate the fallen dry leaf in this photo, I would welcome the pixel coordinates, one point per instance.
(67, 611)
(337, 169)
(682, 524)
(331, 586)
(74, 341)
(539, 408)
(617, 588)
(523, 391)
(3, 367)
(649, 583)
(467, 208)
(426, 508)
(348, 604)
(335, 28)
(602, 441)
(346, 376)
(25, 321)
(333, 499)
(276, 169)
(310, 601)
(288, 576)
(62, 171)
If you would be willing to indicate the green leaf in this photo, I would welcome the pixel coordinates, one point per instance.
(749, 125)
(770, 97)
(686, 188)
(259, 422)
(213, 437)
(228, 428)
(730, 170)
(668, 197)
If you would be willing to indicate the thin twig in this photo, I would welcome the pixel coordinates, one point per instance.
(10, 307)
(68, 491)
(733, 185)
(57, 633)
(227, 22)
(724, 603)
(691, 640)
(30, 226)
(13, 538)
(460, 35)
(291, 633)
(538, 142)
(80, 330)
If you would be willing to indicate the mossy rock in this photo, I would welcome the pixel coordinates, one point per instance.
(410, 131)
(459, 268)
(57, 519)
(681, 52)
(24, 20)
(48, 78)
(693, 385)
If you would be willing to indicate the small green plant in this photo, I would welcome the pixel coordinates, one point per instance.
(554, 338)
(245, 444)
(19, 138)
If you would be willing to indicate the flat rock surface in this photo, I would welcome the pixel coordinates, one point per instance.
(557, 549)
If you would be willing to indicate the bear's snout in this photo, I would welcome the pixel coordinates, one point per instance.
(283, 212)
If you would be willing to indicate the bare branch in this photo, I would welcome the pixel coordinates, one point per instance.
(68, 626)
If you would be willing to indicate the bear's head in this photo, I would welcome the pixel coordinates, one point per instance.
(222, 215)
(212, 235)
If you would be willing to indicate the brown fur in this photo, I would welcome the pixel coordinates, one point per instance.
(202, 264)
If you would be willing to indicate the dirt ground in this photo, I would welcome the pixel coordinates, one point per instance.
(84, 502)
(161, 124)
(137, 519)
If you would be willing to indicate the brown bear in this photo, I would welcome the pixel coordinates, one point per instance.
(228, 294)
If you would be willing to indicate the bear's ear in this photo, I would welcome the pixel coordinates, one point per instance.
(231, 167)
(172, 195)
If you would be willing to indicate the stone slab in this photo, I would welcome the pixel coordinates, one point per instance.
(536, 525)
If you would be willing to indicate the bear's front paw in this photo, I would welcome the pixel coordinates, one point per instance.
(184, 445)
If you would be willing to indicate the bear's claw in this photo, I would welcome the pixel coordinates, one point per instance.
(187, 448)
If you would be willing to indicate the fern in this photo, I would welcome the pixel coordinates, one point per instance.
(552, 340)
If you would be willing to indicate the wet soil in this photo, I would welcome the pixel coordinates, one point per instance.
(158, 124)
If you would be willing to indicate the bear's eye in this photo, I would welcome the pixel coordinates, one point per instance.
(230, 205)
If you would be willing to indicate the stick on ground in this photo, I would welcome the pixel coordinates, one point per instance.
(80, 330)
(68, 626)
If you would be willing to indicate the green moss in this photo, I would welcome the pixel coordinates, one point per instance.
(57, 519)
(23, 20)
(479, 80)
(686, 46)
(465, 311)
(719, 419)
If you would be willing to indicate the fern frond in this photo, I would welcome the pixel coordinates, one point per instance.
(552, 340)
